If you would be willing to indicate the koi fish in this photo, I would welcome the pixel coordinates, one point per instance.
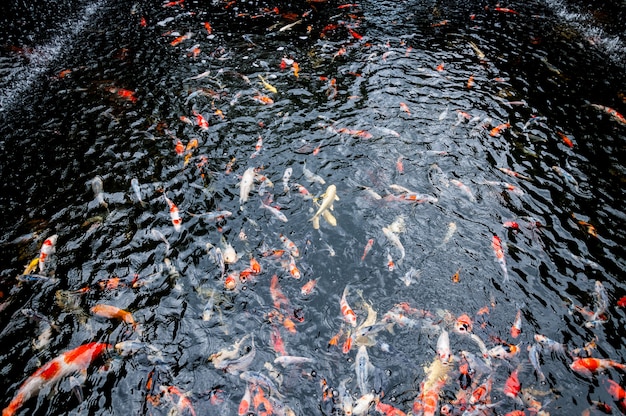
(181, 39)
(387, 409)
(174, 214)
(565, 139)
(565, 175)
(516, 328)
(312, 177)
(47, 248)
(72, 361)
(267, 85)
(395, 241)
(496, 244)
(588, 366)
(463, 324)
(514, 174)
(110, 311)
(134, 183)
(504, 351)
(368, 247)
(201, 122)
(308, 287)
(296, 69)
(346, 311)
(512, 387)
(275, 212)
(499, 129)
(289, 245)
(405, 108)
(443, 347)
(208, 27)
(464, 188)
(616, 116)
(245, 186)
(179, 399)
(533, 357)
(287, 360)
(328, 198)
(244, 404)
(97, 188)
(286, 176)
(362, 366)
(550, 344)
(263, 99)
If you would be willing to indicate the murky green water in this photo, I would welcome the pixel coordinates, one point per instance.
(416, 112)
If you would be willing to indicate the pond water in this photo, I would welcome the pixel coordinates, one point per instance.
(477, 154)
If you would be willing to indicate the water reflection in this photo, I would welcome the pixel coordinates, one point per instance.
(477, 168)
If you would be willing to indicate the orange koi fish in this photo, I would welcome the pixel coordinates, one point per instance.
(125, 94)
(400, 165)
(296, 69)
(278, 297)
(208, 27)
(278, 345)
(47, 248)
(72, 361)
(565, 139)
(588, 366)
(180, 39)
(174, 3)
(179, 399)
(346, 311)
(512, 386)
(463, 324)
(355, 35)
(470, 81)
(499, 129)
(368, 247)
(405, 108)
(308, 287)
(617, 391)
(516, 328)
(113, 312)
(388, 410)
(496, 244)
(179, 148)
(201, 121)
(440, 67)
(263, 99)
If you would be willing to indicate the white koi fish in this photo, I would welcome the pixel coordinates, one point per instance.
(395, 241)
(134, 183)
(312, 177)
(245, 186)
(97, 188)
(443, 347)
(275, 212)
(464, 188)
(328, 198)
(361, 367)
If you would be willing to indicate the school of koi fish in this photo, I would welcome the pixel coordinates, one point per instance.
(228, 269)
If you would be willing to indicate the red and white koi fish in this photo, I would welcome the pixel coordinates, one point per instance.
(516, 328)
(496, 244)
(47, 248)
(443, 347)
(201, 121)
(504, 351)
(174, 213)
(289, 245)
(405, 108)
(616, 116)
(244, 404)
(368, 247)
(464, 188)
(179, 399)
(72, 361)
(588, 366)
(308, 287)
(346, 311)
(514, 174)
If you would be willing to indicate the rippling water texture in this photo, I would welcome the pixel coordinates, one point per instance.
(468, 132)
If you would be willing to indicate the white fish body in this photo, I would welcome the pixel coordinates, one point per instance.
(134, 183)
(275, 212)
(327, 202)
(312, 177)
(361, 367)
(286, 177)
(245, 186)
(443, 347)
(395, 241)
(97, 188)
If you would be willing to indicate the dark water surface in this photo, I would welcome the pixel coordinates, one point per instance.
(442, 99)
